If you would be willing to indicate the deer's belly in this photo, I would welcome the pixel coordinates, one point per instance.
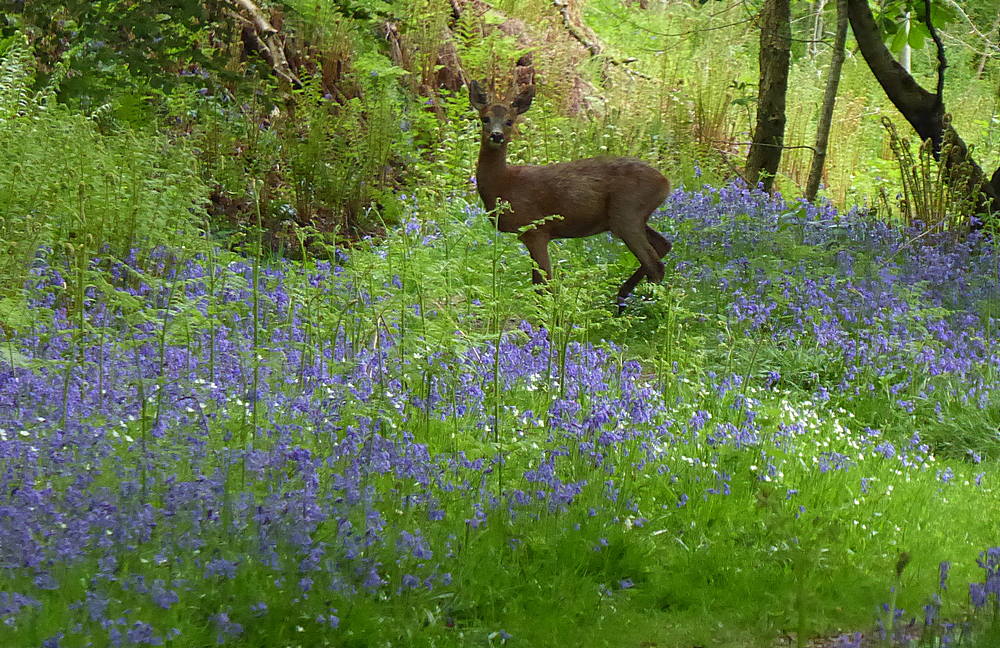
(566, 228)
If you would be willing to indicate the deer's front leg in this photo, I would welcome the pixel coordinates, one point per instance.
(538, 247)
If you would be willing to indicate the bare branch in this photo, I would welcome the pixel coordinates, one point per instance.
(972, 26)
(268, 40)
(262, 24)
(594, 46)
(942, 63)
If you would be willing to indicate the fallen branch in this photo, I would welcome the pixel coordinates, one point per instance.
(593, 45)
(266, 40)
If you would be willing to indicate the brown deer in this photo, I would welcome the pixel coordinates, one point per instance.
(567, 199)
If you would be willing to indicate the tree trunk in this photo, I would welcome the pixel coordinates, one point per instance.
(829, 99)
(922, 109)
(768, 136)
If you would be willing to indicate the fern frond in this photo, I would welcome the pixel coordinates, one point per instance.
(17, 74)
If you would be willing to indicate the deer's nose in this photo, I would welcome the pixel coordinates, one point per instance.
(496, 136)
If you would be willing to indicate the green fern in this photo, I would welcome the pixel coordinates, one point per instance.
(17, 75)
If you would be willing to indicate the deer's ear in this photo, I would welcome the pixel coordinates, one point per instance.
(477, 96)
(523, 99)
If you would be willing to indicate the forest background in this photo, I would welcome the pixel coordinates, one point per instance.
(270, 377)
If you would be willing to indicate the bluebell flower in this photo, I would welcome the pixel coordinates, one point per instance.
(221, 567)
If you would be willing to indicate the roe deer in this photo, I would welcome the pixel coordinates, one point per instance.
(587, 197)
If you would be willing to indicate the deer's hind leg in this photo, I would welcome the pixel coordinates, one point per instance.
(662, 247)
(658, 241)
(641, 247)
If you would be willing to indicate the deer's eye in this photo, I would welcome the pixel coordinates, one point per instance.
(510, 122)
(486, 121)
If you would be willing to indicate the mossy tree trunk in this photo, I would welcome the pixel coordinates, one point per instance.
(769, 134)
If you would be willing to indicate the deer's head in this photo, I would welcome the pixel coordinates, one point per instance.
(498, 117)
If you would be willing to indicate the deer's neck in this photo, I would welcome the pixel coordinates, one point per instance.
(491, 172)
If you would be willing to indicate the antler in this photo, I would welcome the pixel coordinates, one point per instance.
(511, 94)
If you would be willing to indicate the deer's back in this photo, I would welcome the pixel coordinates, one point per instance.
(585, 192)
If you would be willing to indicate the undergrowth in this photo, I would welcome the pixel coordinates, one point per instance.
(403, 445)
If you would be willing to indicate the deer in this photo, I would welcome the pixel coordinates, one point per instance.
(567, 199)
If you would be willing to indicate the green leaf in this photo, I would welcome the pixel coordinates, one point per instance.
(6, 44)
(941, 14)
(898, 41)
(918, 34)
(14, 314)
(376, 64)
(14, 358)
(494, 18)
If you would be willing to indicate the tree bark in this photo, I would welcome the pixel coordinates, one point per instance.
(829, 100)
(775, 40)
(921, 108)
(924, 110)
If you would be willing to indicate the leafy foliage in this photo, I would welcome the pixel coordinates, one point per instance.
(904, 21)
(67, 186)
(123, 50)
(935, 197)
